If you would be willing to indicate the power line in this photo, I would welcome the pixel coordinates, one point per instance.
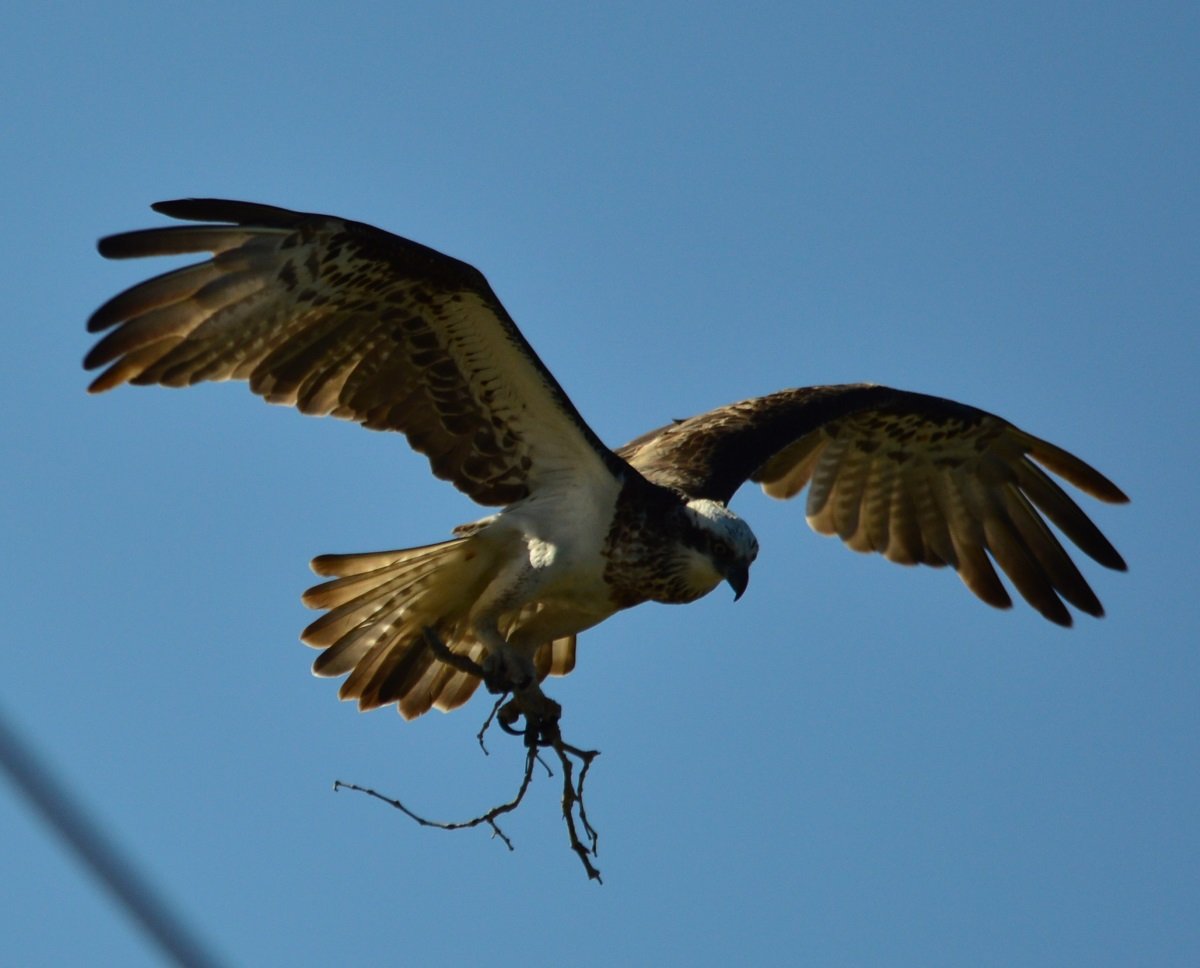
(52, 801)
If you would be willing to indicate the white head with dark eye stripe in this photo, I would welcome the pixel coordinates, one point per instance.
(724, 548)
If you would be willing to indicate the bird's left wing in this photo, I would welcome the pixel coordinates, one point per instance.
(337, 317)
(917, 478)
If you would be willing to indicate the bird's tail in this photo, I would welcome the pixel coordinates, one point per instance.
(379, 606)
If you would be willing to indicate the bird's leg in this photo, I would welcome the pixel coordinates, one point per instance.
(504, 668)
(504, 671)
(443, 654)
(508, 670)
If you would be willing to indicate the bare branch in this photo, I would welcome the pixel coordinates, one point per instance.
(585, 757)
(488, 818)
(488, 722)
(572, 803)
(540, 731)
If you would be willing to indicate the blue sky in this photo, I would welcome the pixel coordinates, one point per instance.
(857, 764)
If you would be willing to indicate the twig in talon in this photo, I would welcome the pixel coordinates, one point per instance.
(488, 818)
(540, 731)
(586, 757)
(572, 803)
(488, 722)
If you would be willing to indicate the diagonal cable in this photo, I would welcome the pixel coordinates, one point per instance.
(54, 804)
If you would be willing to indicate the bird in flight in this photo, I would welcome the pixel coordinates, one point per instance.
(333, 316)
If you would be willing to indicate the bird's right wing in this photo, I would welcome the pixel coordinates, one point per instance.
(916, 478)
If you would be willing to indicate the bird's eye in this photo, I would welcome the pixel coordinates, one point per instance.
(721, 549)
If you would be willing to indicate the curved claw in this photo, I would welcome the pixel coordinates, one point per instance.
(541, 716)
(507, 716)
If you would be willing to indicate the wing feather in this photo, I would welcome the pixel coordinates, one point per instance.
(905, 543)
(1067, 515)
(875, 520)
(970, 544)
(919, 479)
(825, 464)
(336, 317)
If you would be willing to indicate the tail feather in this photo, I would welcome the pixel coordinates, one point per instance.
(374, 608)
(379, 605)
(356, 564)
(555, 658)
(385, 597)
(357, 574)
(451, 687)
(390, 678)
(351, 650)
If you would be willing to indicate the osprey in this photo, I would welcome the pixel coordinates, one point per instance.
(336, 317)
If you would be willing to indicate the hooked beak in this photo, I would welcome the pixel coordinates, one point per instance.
(738, 577)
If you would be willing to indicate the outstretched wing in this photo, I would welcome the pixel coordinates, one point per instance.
(918, 479)
(334, 316)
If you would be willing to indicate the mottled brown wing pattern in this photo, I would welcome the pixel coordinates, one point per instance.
(918, 479)
(336, 317)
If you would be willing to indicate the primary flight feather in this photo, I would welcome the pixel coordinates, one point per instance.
(337, 317)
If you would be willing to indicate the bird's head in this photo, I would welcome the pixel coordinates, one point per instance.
(726, 546)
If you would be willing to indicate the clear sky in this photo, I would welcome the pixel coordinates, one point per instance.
(857, 764)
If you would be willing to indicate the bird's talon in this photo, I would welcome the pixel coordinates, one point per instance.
(507, 717)
(541, 715)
